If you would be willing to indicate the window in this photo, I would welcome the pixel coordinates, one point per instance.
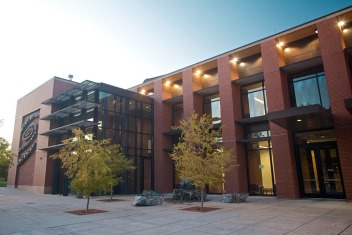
(310, 89)
(211, 106)
(254, 100)
(260, 168)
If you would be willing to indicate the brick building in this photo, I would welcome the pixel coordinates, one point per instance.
(285, 103)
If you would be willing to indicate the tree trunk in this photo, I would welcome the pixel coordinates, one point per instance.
(110, 192)
(201, 198)
(87, 204)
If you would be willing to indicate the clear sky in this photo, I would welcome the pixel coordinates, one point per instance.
(123, 42)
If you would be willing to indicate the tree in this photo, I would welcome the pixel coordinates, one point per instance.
(118, 164)
(6, 157)
(90, 164)
(199, 157)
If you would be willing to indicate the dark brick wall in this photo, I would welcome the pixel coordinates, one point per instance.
(230, 101)
(163, 170)
(338, 80)
(278, 99)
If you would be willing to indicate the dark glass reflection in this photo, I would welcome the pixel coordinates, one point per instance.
(311, 89)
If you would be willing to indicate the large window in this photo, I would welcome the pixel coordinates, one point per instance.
(254, 100)
(260, 168)
(310, 89)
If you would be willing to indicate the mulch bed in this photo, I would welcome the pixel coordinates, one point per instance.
(109, 200)
(197, 209)
(83, 212)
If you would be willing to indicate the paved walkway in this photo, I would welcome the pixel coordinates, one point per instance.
(24, 212)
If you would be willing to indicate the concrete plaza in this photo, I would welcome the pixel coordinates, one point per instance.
(23, 212)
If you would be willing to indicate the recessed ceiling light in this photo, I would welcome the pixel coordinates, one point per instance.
(299, 120)
(280, 44)
(341, 23)
(198, 72)
(235, 59)
(167, 83)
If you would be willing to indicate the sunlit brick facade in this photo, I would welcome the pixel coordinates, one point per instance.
(284, 102)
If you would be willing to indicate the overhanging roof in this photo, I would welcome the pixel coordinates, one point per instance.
(174, 100)
(72, 126)
(74, 91)
(250, 79)
(75, 108)
(252, 120)
(208, 91)
(53, 147)
(253, 140)
(302, 65)
(302, 118)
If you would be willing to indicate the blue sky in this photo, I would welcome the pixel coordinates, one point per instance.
(124, 42)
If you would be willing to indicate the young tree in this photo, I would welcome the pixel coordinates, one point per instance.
(118, 164)
(88, 163)
(198, 156)
(6, 157)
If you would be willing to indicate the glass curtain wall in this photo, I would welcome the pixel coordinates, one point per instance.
(129, 123)
(254, 100)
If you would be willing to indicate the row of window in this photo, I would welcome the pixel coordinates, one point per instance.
(305, 89)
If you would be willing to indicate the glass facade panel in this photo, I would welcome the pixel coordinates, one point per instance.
(318, 164)
(126, 122)
(91, 96)
(309, 90)
(211, 106)
(260, 168)
(254, 100)
(107, 101)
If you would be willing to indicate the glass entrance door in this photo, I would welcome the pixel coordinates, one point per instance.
(320, 170)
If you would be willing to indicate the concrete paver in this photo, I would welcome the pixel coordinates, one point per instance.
(23, 212)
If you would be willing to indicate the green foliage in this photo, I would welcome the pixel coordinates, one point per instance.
(6, 157)
(3, 182)
(92, 165)
(118, 164)
(198, 156)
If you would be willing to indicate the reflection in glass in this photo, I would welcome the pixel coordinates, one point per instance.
(260, 168)
(211, 106)
(254, 100)
(311, 89)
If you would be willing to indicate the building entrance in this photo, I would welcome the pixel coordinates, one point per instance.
(319, 168)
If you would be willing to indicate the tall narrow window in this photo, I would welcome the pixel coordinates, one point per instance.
(211, 106)
(254, 100)
(260, 168)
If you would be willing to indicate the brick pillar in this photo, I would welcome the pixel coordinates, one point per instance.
(230, 101)
(163, 180)
(191, 102)
(339, 87)
(277, 93)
